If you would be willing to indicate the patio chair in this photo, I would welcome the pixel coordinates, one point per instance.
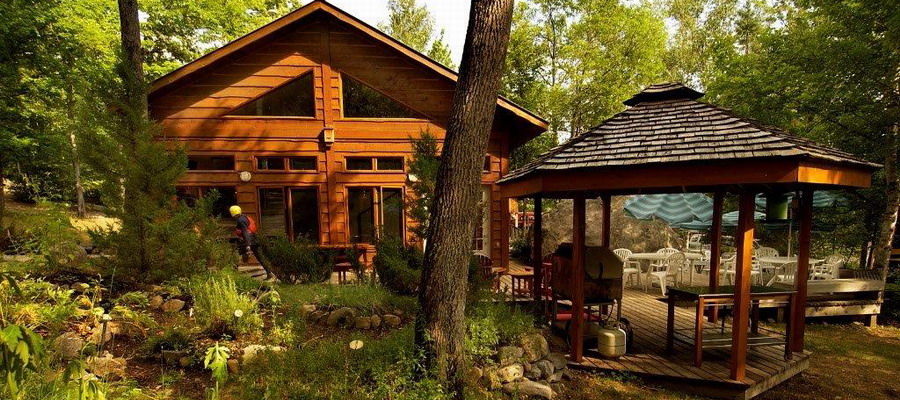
(829, 268)
(661, 264)
(755, 271)
(488, 271)
(766, 252)
(632, 268)
(784, 274)
(673, 266)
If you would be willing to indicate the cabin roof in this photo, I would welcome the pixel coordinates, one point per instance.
(211, 59)
(667, 124)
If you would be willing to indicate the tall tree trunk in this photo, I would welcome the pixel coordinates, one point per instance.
(2, 195)
(132, 73)
(440, 328)
(73, 146)
(882, 253)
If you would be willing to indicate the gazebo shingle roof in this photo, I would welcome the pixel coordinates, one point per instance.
(666, 124)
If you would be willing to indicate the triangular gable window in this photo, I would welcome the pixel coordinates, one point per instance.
(294, 99)
(362, 101)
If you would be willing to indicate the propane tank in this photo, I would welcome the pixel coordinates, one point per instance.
(611, 342)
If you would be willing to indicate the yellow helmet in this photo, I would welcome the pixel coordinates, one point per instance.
(234, 210)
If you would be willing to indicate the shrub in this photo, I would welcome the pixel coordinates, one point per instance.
(367, 299)
(171, 339)
(399, 266)
(490, 324)
(221, 309)
(299, 262)
(520, 249)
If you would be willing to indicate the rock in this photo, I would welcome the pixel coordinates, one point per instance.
(97, 332)
(533, 374)
(376, 321)
(363, 323)
(173, 357)
(80, 287)
(473, 375)
(233, 366)
(535, 346)
(529, 388)
(68, 345)
(510, 373)
(509, 354)
(490, 379)
(252, 351)
(156, 302)
(555, 377)
(545, 367)
(559, 361)
(317, 315)
(185, 362)
(342, 316)
(307, 309)
(107, 366)
(173, 306)
(391, 320)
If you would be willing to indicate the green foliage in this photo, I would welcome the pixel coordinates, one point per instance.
(47, 233)
(385, 367)
(184, 241)
(217, 361)
(300, 261)
(221, 309)
(133, 299)
(424, 166)
(83, 386)
(520, 249)
(365, 298)
(21, 352)
(36, 304)
(399, 266)
(171, 339)
(413, 25)
(491, 324)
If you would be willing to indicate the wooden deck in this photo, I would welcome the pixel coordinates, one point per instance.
(766, 366)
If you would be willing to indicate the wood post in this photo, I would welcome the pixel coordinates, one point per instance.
(578, 238)
(536, 250)
(798, 313)
(744, 259)
(605, 237)
(715, 250)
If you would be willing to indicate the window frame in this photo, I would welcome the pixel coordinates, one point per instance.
(374, 169)
(233, 161)
(286, 159)
(342, 116)
(314, 117)
(378, 215)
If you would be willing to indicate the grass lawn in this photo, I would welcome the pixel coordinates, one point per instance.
(848, 362)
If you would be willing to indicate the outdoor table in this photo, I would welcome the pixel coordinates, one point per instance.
(724, 296)
(654, 256)
(781, 260)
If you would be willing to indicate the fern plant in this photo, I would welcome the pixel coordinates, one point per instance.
(21, 352)
(217, 361)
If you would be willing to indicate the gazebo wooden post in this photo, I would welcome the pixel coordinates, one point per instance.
(578, 238)
(798, 308)
(607, 208)
(743, 261)
(537, 260)
(715, 249)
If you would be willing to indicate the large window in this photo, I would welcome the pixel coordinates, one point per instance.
(372, 207)
(210, 163)
(375, 163)
(305, 213)
(362, 101)
(294, 99)
(272, 206)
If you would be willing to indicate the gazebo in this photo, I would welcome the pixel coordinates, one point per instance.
(667, 141)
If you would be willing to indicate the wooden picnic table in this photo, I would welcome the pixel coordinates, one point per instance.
(724, 296)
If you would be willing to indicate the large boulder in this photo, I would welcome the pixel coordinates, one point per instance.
(251, 352)
(363, 323)
(343, 316)
(68, 345)
(507, 355)
(173, 306)
(535, 346)
(529, 388)
(544, 367)
(106, 366)
(510, 373)
(559, 361)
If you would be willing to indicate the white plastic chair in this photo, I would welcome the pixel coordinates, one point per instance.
(673, 265)
(829, 268)
(755, 271)
(784, 274)
(766, 252)
(661, 264)
(631, 268)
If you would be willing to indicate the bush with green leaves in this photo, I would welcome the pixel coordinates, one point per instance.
(492, 324)
(223, 310)
(364, 298)
(36, 304)
(21, 352)
(399, 265)
(185, 240)
(46, 232)
(300, 261)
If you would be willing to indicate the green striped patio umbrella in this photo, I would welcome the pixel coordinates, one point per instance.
(729, 220)
(677, 208)
(821, 199)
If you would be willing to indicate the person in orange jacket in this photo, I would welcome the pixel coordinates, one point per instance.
(246, 231)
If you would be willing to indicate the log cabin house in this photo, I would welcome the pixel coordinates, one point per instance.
(306, 124)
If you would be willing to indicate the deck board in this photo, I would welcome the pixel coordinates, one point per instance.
(766, 366)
